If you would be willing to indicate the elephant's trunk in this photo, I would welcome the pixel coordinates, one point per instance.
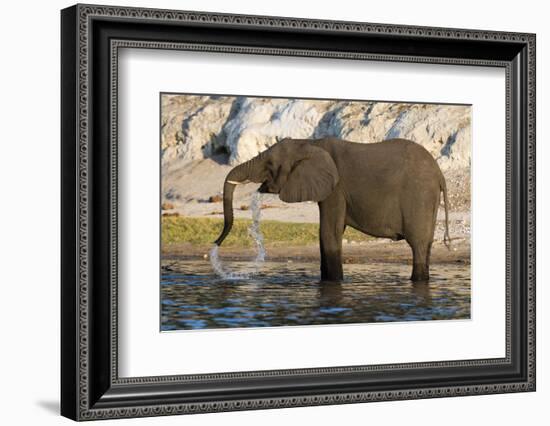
(244, 173)
(228, 189)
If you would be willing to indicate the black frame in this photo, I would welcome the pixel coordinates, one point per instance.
(91, 37)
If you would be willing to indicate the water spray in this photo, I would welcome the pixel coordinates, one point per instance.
(255, 234)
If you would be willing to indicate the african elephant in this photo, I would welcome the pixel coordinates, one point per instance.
(389, 189)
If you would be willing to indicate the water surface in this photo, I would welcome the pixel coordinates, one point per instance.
(285, 294)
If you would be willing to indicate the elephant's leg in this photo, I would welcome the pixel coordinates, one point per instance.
(421, 260)
(332, 213)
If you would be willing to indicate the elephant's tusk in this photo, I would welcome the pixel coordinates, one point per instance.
(238, 183)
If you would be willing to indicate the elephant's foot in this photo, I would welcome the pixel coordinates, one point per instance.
(332, 278)
(334, 274)
(420, 273)
(331, 268)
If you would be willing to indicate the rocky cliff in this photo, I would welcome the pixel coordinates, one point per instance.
(236, 129)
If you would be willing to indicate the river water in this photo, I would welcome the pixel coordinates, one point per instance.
(286, 294)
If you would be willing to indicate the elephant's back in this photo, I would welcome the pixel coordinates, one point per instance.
(403, 148)
(391, 169)
(387, 162)
(409, 156)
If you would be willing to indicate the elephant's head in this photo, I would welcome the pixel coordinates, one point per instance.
(297, 170)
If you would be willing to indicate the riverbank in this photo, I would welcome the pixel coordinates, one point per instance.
(184, 237)
(371, 251)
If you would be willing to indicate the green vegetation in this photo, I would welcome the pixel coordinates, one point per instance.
(203, 231)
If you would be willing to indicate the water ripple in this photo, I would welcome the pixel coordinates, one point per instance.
(193, 297)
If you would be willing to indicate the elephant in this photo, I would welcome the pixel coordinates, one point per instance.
(389, 189)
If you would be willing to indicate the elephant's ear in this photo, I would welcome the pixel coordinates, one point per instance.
(312, 177)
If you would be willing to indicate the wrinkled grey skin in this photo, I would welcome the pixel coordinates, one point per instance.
(389, 189)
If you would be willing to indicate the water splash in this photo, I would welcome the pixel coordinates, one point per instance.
(255, 233)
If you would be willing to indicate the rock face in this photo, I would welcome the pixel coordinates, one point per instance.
(236, 129)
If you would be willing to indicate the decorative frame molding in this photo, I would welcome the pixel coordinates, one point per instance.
(91, 37)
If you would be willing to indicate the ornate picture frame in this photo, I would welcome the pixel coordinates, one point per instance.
(91, 37)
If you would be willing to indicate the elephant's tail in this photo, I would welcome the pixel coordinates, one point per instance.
(446, 236)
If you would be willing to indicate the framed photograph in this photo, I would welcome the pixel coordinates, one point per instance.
(263, 212)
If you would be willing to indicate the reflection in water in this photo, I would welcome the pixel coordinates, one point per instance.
(193, 297)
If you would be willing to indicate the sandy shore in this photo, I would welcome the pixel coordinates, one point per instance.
(372, 251)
